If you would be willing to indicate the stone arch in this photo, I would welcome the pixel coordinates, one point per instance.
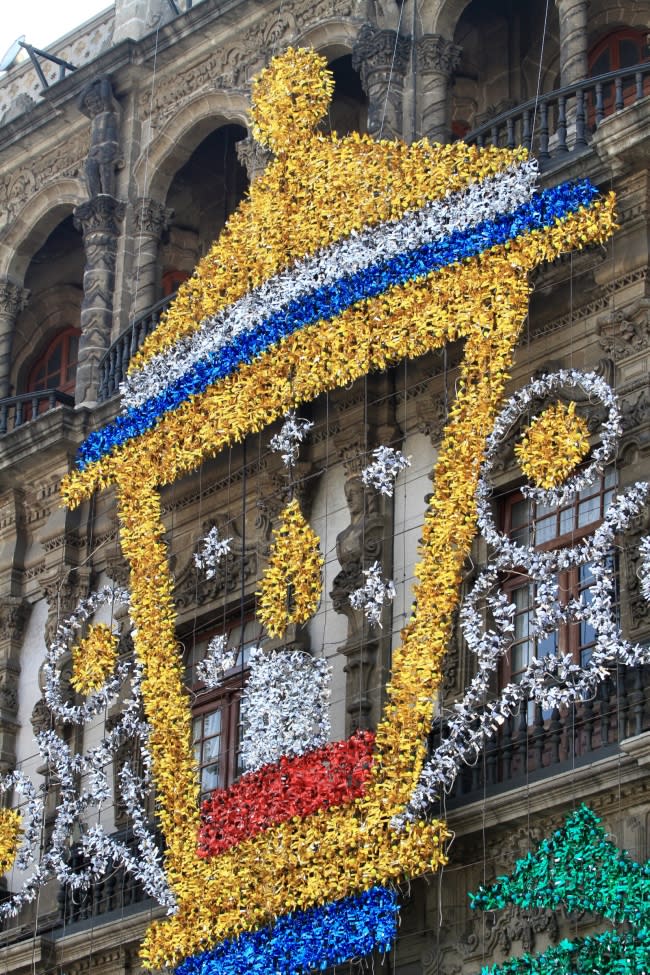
(171, 148)
(34, 223)
(609, 15)
(442, 18)
(332, 38)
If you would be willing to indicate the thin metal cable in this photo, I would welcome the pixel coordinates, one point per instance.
(539, 73)
(390, 73)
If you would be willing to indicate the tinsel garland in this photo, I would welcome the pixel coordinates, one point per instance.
(290, 587)
(285, 706)
(554, 680)
(306, 940)
(375, 593)
(541, 213)
(288, 440)
(331, 775)
(580, 870)
(213, 548)
(382, 473)
(317, 191)
(456, 212)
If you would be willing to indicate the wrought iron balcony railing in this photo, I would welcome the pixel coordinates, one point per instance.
(17, 410)
(533, 745)
(564, 121)
(115, 363)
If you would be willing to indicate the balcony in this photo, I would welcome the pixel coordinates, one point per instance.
(15, 411)
(532, 745)
(114, 365)
(563, 122)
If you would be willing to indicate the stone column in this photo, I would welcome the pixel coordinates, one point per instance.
(382, 57)
(253, 156)
(435, 61)
(13, 299)
(99, 219)
(573, 40)
(152, 219)
(368, 538)
(14, 613)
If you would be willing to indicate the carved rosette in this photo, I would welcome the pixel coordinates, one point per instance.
(382, 58)
(436, 60)
(253, 156)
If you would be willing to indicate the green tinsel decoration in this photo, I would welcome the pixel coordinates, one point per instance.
(579, 869)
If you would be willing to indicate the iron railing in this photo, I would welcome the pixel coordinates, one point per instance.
(533, 745)
(116, 360)
(564, 121)
(17, 410)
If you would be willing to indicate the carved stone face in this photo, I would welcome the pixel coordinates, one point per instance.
(354, 497)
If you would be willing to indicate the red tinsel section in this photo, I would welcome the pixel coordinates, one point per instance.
(328, 776)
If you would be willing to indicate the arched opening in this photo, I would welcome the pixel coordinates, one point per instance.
(203, 194)
(622, 48)
(348, 111)
(46, 338)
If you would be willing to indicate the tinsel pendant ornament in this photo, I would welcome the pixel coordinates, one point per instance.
(291, 586)
(94, 659)
(10, 833)
(580, 870)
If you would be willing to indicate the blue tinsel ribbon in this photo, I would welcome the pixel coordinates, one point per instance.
(305, 940)
(543, 210)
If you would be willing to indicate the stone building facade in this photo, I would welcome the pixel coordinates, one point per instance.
(114, 181)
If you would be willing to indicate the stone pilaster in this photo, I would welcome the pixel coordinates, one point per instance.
(152, 219)
(13, 299)
(253, 156)
(436, 59)
(382, 58)
(366, 539)
(14, 613)
(99, 219)
(573, 40)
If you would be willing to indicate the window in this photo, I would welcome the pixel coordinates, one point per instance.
(549, 528)
(57, 367)
(217, 714)
(172, 280)
(622, 49)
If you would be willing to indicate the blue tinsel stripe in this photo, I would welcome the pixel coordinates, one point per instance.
(305, 940)
(542, 211)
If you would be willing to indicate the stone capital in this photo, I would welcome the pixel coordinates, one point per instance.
(13, 298)
(101, 215)
(380, 51)
(253, 156)
(433, 53)
(152, 217)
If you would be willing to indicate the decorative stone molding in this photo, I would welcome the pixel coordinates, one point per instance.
(253, 157)
(382, 58)
(63, 591)
(432, 414)
(625, 330)
(101, 215)
(434, 53)
(152, 218)
(513, 924)
(18, 186)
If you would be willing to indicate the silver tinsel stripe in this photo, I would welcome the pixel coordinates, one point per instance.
(456, 212)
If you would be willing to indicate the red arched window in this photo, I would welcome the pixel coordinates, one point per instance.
(57, 367)
(172, 280)
(621, 49)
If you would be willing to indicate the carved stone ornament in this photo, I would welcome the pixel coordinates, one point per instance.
(432, 413)
(101, 215)
(434, 53)
(499, 933)
(152, 217)
(97, 102)
(253, 156)
(13, 299)
(638, 606)
(14, 613)
(20, 185)
(624, 332)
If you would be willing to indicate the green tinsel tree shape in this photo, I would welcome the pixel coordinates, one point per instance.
(579, 869)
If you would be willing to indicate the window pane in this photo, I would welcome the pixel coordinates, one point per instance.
(546, 529)
(211, 748)
(210, 778)
(211, 724)
(629, 53)
(588, 511)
